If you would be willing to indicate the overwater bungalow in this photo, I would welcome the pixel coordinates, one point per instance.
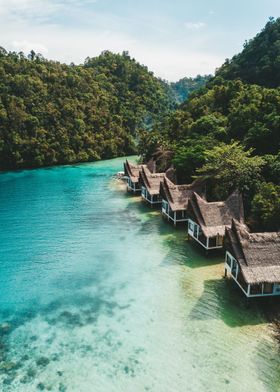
(253, 260)
(175, 199)
(150, 185)
(132, 173)
(208, 220)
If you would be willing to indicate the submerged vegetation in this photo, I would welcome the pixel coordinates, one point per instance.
(229, 131)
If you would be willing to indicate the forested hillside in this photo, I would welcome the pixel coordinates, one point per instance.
(259, 62)
(229, 131)
(185, 86)
(52, 113)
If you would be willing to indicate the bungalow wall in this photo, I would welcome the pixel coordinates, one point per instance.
(175, 216)
(195, 231)
(250, 290)
(132, 186)
(152, 199)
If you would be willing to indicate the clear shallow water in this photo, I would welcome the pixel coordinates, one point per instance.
(98, 294)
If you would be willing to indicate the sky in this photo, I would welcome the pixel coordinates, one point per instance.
(174, 38)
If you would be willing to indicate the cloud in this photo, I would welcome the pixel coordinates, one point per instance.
(172, 64)
(194, 26)
(27, 46)
(71, 33)
(38, 11)
(166, 60)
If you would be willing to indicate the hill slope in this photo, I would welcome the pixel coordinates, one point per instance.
(259, 62)
(52, 113)
(237, 114)
(185, 86)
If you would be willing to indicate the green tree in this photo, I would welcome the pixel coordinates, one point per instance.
(266, 207)
(231, 167)
(52, 113)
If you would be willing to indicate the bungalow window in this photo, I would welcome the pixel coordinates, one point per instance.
(256, 289)
(212, 242)
(277, 288)
(267, 288)
(165, 206)
(191, 226)
(234, 267)
(183, 214)
(228, 260)
(219, 240)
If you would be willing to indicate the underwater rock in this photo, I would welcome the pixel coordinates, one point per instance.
(42, 361)
(55, 357)
(5, 328)
(25, 379)
(8, 380)
(41, 386)
(62, 387)
(70, 319)
(31, 372)
(7, 366)
(3, 351)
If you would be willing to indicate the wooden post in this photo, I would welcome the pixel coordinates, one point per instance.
(225, 275)
(248, 290)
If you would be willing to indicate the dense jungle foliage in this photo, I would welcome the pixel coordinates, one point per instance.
(185, 86)
(229, 131)
(52, 113)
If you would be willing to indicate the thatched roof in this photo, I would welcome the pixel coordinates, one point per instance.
(178, 196)
(258, 254)
(150, 180)
(133, 170)
(213, 217)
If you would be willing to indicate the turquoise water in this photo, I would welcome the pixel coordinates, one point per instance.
(99, 294)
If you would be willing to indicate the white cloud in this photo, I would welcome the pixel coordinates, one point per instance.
(167, 61)
(70, 34)
(172, 64)
(37, 11)
(27, 46)
(194, 26)
(15, 9)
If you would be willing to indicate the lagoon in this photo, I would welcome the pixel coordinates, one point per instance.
(100, 294)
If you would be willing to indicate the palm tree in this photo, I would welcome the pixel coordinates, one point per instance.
(163, 156)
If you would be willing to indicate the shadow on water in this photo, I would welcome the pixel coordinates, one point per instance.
(222, 299)
(185, 251)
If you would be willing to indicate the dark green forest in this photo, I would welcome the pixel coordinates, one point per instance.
(228, 132)
(185, 86)
(52, 113)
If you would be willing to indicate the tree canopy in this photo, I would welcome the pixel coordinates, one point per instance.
(259, 62)
(229, 130)
(52, 113)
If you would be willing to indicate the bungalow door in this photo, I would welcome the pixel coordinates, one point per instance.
(219, 240)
